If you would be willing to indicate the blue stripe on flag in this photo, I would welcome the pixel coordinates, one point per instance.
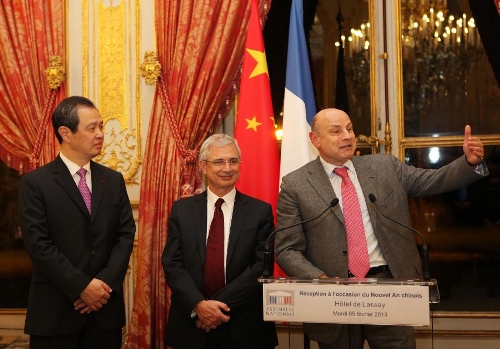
(299, 106)
(298, 74)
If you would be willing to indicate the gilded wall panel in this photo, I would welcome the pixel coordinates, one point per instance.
(110, 55)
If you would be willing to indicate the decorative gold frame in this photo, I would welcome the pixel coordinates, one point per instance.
(424, 142)
(420, 142)
(111, 77)
(371, 141)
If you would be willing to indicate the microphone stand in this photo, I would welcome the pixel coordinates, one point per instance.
(425, 249)
(267, 251)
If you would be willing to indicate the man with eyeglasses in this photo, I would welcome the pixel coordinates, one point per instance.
(214, 256)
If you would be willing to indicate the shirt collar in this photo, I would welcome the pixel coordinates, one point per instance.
(72, 167)
(228, 198)
(329, 167)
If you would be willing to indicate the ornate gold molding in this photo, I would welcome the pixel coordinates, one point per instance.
(12, 311)
(297, 329)
(388, 139)
(369, 140)
(466, 315)
(111, 57)
(151, 67)
(55, 72)
(457, 333)
(375, 143)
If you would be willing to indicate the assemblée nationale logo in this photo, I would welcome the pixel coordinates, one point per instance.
(280, 303)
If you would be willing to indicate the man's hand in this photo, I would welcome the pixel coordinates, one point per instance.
(210, 314)
(473, 148)
(94, 296)
(81, 306)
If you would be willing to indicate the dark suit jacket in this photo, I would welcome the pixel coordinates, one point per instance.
(183, 262)
(69, 247)
(320, 246)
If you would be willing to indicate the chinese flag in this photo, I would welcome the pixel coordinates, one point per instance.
(254, 131)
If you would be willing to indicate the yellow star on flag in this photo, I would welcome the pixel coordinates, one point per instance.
(253, 124)
(261, 67)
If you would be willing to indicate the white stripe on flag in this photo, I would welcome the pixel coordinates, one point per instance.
(296, 149)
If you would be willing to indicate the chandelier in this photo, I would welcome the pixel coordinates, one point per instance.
(439, 48)
(357, 55)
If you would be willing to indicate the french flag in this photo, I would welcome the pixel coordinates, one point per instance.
(299, 106)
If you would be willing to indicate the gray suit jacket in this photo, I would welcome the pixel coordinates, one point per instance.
(320, 246)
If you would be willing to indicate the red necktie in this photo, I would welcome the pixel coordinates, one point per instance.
(214, 255)
(357, 252)
(84, 189)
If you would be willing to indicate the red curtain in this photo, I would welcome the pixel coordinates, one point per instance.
(30, 32)
(200, 47)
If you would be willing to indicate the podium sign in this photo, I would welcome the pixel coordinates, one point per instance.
(364, 303)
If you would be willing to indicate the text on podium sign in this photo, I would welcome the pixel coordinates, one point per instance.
(347, 304)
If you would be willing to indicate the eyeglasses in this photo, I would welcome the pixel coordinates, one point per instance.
(222, 162)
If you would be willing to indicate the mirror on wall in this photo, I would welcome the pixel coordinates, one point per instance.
(342, 75)
(15, 265)
(462, 231)
(448, 81)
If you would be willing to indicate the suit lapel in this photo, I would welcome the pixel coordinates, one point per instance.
(240, 211)
(321, 184)
(98, 183)
(64, 178)
(199, 214)
(366, 177)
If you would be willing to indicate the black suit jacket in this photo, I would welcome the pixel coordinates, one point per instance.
(69, 247)
(183, 261)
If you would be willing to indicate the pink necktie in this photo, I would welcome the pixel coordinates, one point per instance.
(84, 189)
(357, 252)
(214, 259)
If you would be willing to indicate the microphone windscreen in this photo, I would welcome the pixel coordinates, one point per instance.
(334, 202)
(372, 198)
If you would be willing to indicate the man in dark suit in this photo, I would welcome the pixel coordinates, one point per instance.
(78, 229)
(229, 317)
(319, 249)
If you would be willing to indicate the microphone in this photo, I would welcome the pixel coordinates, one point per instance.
(425, 250)
(267, 253)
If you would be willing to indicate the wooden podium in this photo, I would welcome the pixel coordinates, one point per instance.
(349, 301)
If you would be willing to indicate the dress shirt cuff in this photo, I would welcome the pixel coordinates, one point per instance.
(194, 316)
(481, 168)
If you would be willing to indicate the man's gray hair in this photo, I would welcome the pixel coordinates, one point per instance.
(217, 140)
